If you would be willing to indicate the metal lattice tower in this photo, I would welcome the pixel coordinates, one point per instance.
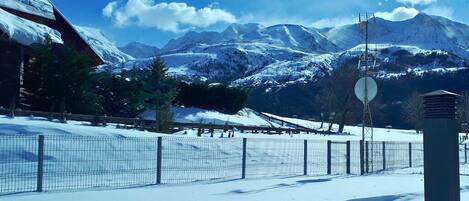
(367, 63)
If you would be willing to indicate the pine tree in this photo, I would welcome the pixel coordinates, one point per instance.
(61, 79)
(160, 91)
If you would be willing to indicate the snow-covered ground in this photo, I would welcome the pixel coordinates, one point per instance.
(399, 185)
(214, 163)
(245, 117)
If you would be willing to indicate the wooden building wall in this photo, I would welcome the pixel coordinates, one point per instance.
(12, 61)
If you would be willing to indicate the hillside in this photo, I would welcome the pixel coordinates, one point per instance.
(254, 55)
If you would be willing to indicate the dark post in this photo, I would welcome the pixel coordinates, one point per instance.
(329, 168)
(305, 158)
(367, 160)
(384, 155)
(158, 160)
(243, 173)
(348, 157)
(362, 158)
(40, 163)
(410, 154)
(441, 147)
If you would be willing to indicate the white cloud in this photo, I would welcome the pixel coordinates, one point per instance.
(164, 16)
(398, 14)
(440, 11)
(334, 22)
(107, 11)
(416, 2)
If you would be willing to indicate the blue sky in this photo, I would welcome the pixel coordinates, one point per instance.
(155, 22)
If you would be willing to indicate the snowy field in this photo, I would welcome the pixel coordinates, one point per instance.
(401, 185)
(79, 156)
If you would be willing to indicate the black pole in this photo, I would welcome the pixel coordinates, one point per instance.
(441, 147)
(348, 157)
(40, 163)
(243, 171)
(362, 161)
(158, 160)
(305, 158)
(410, 154)
(384, 155)
(329, 154)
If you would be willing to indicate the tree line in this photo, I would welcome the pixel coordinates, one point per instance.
(60, 79)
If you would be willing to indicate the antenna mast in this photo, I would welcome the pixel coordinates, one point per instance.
(364, 64)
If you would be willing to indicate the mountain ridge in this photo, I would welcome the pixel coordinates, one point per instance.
(253, 55)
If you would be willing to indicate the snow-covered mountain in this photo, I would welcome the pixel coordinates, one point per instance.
(140, 50)
(424, 31)
(295, 37)
(106, 49)
(251, 54)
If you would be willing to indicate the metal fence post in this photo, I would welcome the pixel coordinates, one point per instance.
(305, 158)
(329, 168)
(410, 154)
(243, 173)
(40, 163)
(384, 155)
(348, 157)
(159, 160)
(367, 158)
(362, 158)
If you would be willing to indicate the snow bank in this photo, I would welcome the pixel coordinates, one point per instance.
(27, 126)
(245, 117)
(42, 8)
(24, 31)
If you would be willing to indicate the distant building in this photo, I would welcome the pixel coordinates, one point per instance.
(25, 22)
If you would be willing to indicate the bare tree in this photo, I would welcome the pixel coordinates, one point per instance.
(412, 111)
(336, 93)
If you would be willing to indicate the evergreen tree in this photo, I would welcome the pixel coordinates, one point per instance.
(121, 95)
(60, 79)
(160, 91)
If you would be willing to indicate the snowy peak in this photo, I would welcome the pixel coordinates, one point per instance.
(140, 50)
(102, 46)
(236, 31)
(295, 37)
(424, 31)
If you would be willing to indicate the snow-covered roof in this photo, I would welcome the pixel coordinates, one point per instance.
(103, 47)
(24, 31)
(41, 8)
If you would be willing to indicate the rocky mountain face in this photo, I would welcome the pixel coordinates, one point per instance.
(140, 50)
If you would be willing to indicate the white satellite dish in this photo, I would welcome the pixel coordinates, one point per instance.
(360, 89)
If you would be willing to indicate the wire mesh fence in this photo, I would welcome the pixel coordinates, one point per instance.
(62, 162)
(269, 157)
(18, 164)
(186, 159)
